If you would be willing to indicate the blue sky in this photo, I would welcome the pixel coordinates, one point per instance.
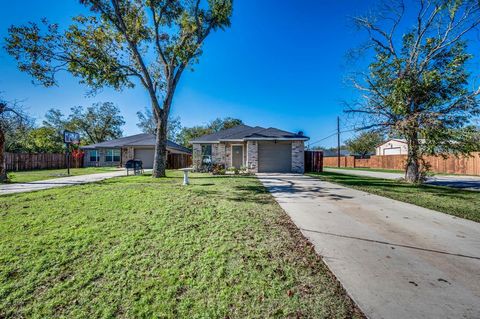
(281, 64)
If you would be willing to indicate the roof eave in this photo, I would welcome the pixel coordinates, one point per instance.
(204, 142)
(277, 139)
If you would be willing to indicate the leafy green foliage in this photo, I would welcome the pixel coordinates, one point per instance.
(189, 133)
(97, 123)
(123, 43)
(364, 144)
(135, 247)
(44, 140)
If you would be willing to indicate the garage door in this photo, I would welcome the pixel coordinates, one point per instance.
(274, 157)
(146, 156)
(392, 151)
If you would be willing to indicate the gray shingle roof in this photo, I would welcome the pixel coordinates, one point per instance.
(136, 140)
(245, 132)
(223, 134)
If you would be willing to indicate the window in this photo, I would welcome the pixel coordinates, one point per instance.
(113, 155)
(207, 154)
(94, 156)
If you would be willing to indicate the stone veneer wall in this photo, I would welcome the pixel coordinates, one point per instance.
(252, 156)
(127, 154)
(298, 157)
(218, 153)
(228, 154)
(197, 156)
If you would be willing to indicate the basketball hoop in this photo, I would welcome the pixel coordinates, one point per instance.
(71, 137)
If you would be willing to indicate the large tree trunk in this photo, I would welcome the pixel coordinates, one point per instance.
(160, 159)
(3, 168)
(412, 172)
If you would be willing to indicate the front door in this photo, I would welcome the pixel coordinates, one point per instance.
(237, 156)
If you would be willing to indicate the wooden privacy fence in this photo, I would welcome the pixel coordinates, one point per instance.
(176, 161)
(31, 161)
(313, 161)
(465, 165)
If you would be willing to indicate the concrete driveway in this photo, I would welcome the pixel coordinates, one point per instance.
(457, 181)
(396, 260)
(57, 182)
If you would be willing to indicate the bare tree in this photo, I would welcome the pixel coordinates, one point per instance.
(417, 85)
(11, 116)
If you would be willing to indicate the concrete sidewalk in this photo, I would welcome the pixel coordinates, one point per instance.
(456, 181)
(395, 260)
(58, 182)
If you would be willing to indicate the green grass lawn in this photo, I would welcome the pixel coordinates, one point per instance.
(45, 174)
(134, 247)
(390, 171)
(457, 202)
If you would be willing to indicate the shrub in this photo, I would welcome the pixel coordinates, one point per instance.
(218, 169)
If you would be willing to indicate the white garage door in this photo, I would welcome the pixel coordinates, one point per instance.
(146, 156)
(392, 151)
(274, 157)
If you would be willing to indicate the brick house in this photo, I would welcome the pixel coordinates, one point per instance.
(257, 149)
(141, 146)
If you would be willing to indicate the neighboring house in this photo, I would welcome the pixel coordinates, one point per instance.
(257, 149)
(395, 146)
(118, 152)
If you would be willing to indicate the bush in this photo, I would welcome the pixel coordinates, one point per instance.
(218, 169)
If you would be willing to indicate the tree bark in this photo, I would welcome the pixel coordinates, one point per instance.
(412, 171)
(160, 159)
(3, 168)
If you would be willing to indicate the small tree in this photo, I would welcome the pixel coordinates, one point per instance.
(364, 144)
(417, 84)
(122, 43)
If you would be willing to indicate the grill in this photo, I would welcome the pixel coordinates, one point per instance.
(135, 165)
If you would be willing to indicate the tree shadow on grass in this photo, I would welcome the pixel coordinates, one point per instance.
(397, 187)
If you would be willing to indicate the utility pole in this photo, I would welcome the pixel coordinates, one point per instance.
(338, 141)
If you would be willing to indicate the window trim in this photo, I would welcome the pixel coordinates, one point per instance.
(96, 156)
(110, 155)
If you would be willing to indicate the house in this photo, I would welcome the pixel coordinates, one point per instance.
(392, 147)
(395, 146)
(257, 149)
(117, 152)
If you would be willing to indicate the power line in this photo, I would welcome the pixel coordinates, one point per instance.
(323, 139)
